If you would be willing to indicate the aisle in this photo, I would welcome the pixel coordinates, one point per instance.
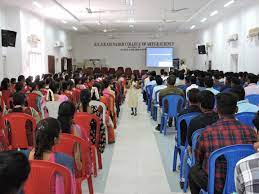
(136, 166)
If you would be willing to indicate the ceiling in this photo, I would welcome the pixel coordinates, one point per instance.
(138, 16)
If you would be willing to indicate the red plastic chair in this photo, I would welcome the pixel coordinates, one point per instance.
(76, 93)
(44, 91)
(128, 72)
(111, 108)
(32, 101)
(97, 70)
(2, 105)
(41, 176)
(17, 125)
(120, 70)
(112, 71)
(66, 145)
(84, 120)
(105, 70)
(6, 94)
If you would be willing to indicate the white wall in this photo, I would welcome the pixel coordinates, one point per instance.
(220, 53)
(83, 48)
(26, 24)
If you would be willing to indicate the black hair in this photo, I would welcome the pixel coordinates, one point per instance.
(14, 170)
(135, 77)
(19, 86)
(21, 78)
(47, 130)
(18, 99)
(85, 98)
(252, 78)
(65, 85)
(54, 86)
(236, 81)
(5, 84)
(151, 78)
(208, 81)
(181, 75)
(153, 73)
(159, 80)
(66, 114)
(226, 103)
(206, 99)
(239, 91)
(171, 80)
(193, 95)
(162, 71)
(48, 81)
(106, 83)
(193, 80)
(13, 80)
(41, 84)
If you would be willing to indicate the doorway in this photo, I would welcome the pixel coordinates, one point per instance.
(234, 62)
(51, 64)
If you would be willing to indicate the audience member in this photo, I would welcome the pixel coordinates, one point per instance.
(193, 82)
(14, 171)
(243, 104)
(208, 81)
(225, 132)
(252, 87)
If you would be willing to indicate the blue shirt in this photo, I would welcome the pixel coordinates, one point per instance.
(245, 106)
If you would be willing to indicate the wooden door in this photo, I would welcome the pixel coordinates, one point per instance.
(69, 65)
(63, 64)
(51, 64)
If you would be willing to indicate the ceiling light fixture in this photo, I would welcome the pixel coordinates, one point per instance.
(192, 27)
(64, 21)
(214, 13)
(37, 4)
(229, 3)
(75, 28)
(131, 26)
(131, 20)
(203, 20)
(131, 3)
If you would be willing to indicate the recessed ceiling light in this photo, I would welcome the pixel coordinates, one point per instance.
(203, 20)
(64, 21)
(75, 28)
(131, 20)
(214, 13)
(229, 3)
(192, 27)
(131, 26)
(37, 4)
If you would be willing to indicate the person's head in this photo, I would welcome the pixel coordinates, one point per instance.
(18, 99)
(228, 81)
(208, 82)
(162, 71)
(48, 81)
(5, 84)
(252, 78)
(159, 80)
(66, 114)
(14, 171)
(165, 74)
(85, 98)
(65, 86)
(47, 135)
(239, 91)
(153, 74)
(226, 104)
(206, 100)
(21, 78)
(171, 80)
(19, 87)
(13, 80)
(54, 86)
(235, 81)
(193, 96)
(134, 77)
(34, 86)
(181, 75)
(193, 80)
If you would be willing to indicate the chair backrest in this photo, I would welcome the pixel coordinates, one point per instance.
(84, 121)
(149, 91)
(66, 145)
(156, 97)
(246, 118)
(232, 154)
(32, 101)
(195, 137)
(42, 174)
(253, 99)
(16, 123)
(6, 94)
(97, 104)
(175, 104)
(187, 118)
(183, 87)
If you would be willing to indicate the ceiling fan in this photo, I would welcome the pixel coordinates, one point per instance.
(90, 11)
(174, 10)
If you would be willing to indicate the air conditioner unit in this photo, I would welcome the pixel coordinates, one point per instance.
(58, 44)
(253, 32)
(233, 37)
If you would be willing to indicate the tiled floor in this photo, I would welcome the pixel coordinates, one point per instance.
(140, 161)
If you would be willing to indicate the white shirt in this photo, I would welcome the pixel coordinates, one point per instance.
(179, 82)
(215, 92)
(157, 88)
(191, 87)
(252, 89)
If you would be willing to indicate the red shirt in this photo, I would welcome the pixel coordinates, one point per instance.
(224, 132)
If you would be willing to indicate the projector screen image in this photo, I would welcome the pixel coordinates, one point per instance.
(159, 57)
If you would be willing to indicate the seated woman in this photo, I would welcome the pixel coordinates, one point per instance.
(107, 88)
(85, 98)
(79, 83)
(47, 135)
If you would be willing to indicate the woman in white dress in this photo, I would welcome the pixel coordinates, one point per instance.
(133, 95)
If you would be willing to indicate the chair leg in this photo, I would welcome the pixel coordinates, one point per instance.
(93, 156)
(100, 164)
(187, 170)
(90, 185)
(175, 158)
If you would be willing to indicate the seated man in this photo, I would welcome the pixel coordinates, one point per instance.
(227, 86)
(252, 88)
(208, 81)
(225, 132)
(193, 82)
(169, 90)
(242, 104)
(180, 80)
(193, 96)
(247, 170)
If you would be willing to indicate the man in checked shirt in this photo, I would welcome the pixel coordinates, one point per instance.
(225, 132)
(247, 170)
